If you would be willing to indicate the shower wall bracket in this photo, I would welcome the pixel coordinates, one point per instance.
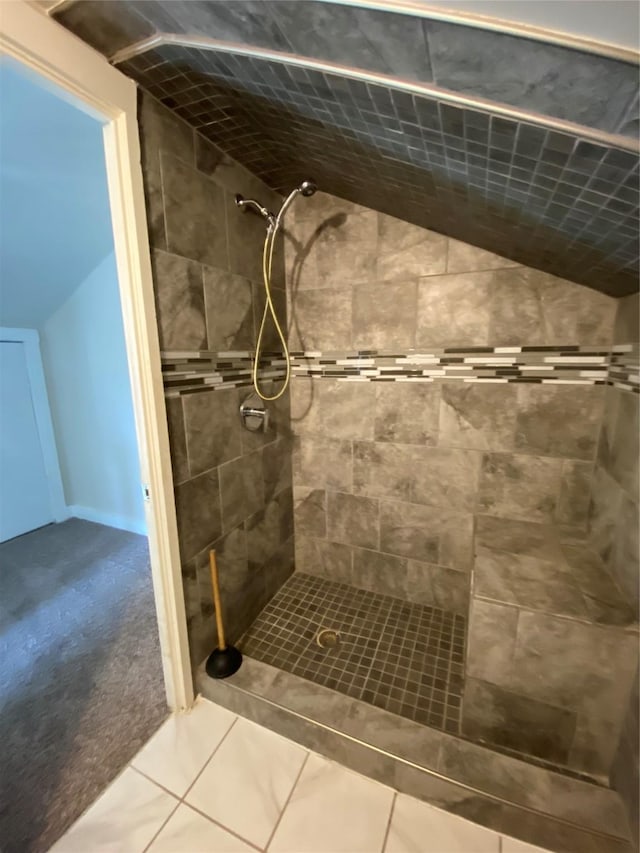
(254, 414)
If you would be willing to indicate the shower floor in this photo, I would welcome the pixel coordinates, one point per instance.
(406, 658)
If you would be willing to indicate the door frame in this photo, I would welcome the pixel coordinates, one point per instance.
(40, 401)
(78, 73)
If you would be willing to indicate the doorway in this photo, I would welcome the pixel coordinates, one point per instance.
(96, 592)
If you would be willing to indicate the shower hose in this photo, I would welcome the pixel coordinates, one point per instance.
(269, 309)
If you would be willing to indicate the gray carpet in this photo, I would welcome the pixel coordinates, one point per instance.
(81, 684)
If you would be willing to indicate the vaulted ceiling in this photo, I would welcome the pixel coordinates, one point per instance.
(521, 146)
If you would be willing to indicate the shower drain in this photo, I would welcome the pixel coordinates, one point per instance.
(327, 638)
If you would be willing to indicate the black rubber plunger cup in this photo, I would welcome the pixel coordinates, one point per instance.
(225, 660)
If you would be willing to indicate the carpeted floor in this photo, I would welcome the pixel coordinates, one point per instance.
(81, 685)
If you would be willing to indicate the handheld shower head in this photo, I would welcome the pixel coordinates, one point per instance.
(307, 188)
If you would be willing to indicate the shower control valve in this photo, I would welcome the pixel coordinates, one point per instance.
(254, 414)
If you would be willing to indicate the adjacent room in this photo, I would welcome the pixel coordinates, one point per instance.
(80, 671)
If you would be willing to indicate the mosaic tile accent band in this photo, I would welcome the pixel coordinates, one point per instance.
(193, 372)
(624, 368)
(568, 364)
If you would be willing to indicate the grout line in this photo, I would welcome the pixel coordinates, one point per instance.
(162, 826)
(156, 783)
(208, 761)
(222, 826)
(288, 800)
(387, 830)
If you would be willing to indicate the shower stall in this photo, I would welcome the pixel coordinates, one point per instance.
(464, 444)
(428, 546)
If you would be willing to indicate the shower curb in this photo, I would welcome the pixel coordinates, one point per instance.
(536, 805)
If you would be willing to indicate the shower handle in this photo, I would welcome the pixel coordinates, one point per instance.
(254, 414)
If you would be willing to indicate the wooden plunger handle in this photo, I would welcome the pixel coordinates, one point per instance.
(216, 599)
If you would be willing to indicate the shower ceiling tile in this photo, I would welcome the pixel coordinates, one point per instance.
(545, 199)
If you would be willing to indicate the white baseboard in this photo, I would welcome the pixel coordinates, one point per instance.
(121, 522)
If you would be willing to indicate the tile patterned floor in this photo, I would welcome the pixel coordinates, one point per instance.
(211, 781)
(405, 658)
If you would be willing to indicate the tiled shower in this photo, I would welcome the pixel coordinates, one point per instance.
(450, 485)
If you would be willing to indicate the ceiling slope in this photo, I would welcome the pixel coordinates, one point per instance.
(522, 148)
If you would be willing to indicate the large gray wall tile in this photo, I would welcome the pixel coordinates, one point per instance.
(478, 417)
(525, 487)
(179, 302)
(247, 22)
(461, 257)
(400, 41)
(592, 673)
(277, 467)
(491, 641)
(321, 319)
(198, 511)
(545, 78)
(229, 311)
(212, 428)
(454, 310)
(497, 716)
(330, 33)
(177, 439)
(331, 560)
(407, 413)
(310, 511)
(559, 420)
(384, 316)
(320, 461)
(437, 586)
(572, 508)
(527, 582)
(269, 528)
(241, 489)
(195, 216)
(627, 327)
(531, 307)
(353, 520)
(406, 251)
(346, 248)
(424, 533)
(382, 573)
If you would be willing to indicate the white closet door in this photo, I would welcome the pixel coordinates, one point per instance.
(25, 501)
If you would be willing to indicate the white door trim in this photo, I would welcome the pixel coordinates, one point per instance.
(86, 79)
(42, 411)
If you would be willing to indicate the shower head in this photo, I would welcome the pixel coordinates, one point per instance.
(307, 188)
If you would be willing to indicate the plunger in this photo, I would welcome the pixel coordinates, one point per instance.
(223, 660)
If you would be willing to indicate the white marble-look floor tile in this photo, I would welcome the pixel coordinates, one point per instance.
(182, 746)
(514, 845)
(247, 782)
(333, 809)
(187, 831)
(419, 828)
(124, 818)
